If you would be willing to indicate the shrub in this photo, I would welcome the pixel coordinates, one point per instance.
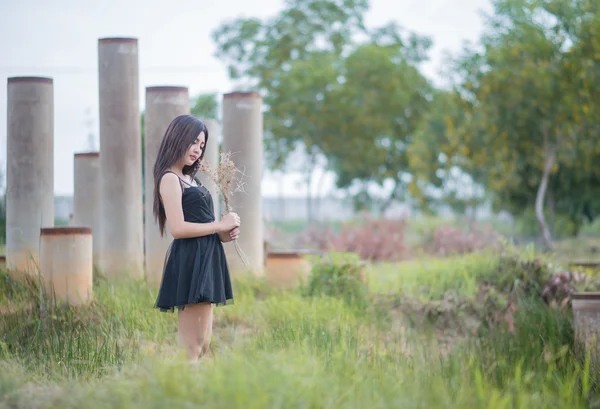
(316, 238)
(338, 275)
(448, 240)
(494, 291)
(539, 339)
(521, 269)
(372, 239)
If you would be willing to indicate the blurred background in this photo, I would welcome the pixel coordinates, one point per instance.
(417, 134)
(390, 129)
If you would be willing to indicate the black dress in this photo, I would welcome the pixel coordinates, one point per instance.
(195, 269)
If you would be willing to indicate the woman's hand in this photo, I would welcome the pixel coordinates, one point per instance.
(231, 235)
(229, 222)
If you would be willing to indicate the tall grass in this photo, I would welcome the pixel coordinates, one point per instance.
(293, 349)
(431, 279)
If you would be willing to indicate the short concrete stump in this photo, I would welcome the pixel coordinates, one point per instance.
(586, 313)
(287, 269)
(66, 264)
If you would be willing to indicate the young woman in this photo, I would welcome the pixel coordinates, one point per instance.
(196, 274)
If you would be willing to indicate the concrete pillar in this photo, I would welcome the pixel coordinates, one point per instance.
(66, 264)
(30, 169)
(212, 156)
(163, 104)
(86, 196)
(121, 208)
(243, 136)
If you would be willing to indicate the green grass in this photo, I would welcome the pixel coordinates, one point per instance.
(286, 349)
(578, 249)
(430, 279)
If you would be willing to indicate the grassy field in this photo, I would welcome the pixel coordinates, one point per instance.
(419, 334)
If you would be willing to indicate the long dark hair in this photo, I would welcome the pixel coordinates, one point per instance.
(180, 134)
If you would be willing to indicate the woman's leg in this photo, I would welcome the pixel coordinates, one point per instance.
(206, 323)
(187, 330)
(195, 329)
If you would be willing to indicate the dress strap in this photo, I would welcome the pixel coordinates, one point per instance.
(181, 181)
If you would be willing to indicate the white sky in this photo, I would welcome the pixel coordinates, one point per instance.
(58, 38)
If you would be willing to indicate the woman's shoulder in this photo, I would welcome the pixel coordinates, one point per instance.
(169, 177)
(168, 181)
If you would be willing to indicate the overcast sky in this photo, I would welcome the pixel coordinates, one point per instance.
(58, 38)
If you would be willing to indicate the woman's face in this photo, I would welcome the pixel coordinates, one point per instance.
(195, 150)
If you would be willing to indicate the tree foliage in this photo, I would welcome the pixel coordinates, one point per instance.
(378, 109)
(290, 59)
(526, 131)
(438, 159)
(205, 106)
(519, 126)
(332, 87)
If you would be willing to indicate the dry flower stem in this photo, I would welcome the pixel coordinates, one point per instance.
(224, 177)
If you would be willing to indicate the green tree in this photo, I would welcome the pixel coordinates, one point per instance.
(328, 94)
(526, 98)
(205, 106)
(260, 54)
(277, 55)
(438, 161)
(300, 117)
(378, 109)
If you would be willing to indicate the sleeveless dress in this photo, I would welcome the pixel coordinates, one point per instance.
(195, 269)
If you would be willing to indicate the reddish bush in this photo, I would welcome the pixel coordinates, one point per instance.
(315, 238)
(450, 240)
(559, 289)
(372, 239)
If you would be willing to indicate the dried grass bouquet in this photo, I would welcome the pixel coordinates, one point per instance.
(224, 178)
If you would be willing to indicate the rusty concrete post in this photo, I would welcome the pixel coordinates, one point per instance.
(243, 137)
(86, 195)
(121, 208)
(163, 104)
(66, 264)
(30, 170)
